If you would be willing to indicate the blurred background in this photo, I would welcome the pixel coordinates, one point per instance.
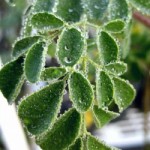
(131, 131)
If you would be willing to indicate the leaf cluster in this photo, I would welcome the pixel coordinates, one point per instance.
(66, 24)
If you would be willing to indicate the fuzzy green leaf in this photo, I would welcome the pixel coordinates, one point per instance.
(95, 144)
(118, 68)
(81, 92)
(108, 48)
(102, 116)
(124, 93)
(34, 62)
(119, 9)
(53, 73)
(23, 45)
(141, 5)
(78, 145)
(70, 47)
(46, 22)
(104, 89)
(63, 133)
(11, 79)
(96, 9)
(69, 10)
(43, 5)
(39, 110)
(115, 26)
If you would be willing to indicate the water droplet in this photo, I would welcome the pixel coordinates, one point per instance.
(67, 60)
(96, 7)
(70, 10)
(66, 48)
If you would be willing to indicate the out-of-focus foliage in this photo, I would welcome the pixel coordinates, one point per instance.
(139, 55)
(10, 24)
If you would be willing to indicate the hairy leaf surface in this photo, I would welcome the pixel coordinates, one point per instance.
(63, 133)
(102, 116)
(118, 68)
(104, 89)
(119, 9)
(34, 62)
(39, 110)
(46, 22)
(108, 48)
(81, 92)
(11, 79)
(70, 47)
(43, 5)
(53, 73)
(96, 8)
(69, 10)
(78, 145)
(95, 144)
(115, 26)
(124, 93)
(24, 45)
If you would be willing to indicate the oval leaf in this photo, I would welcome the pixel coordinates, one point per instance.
(69, 10)
(53, 73)
(115, 26)
(119, 9)
(102, 116)
(118, 68)
(95, 144)
(141, 5)
(56, 137)
(46, 22)
(39, 111)
(70, 47)
(43, 5)
(96, 8)
(104, 89)
(78, 145)
(124, 93)
(81, 92)
(11, 79)
(23, 45)
(34, 62)
(108, 48)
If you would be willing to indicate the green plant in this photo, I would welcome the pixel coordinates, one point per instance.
(67, 24)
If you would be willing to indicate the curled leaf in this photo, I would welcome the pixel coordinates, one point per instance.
(124, 93)
(102, 116)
